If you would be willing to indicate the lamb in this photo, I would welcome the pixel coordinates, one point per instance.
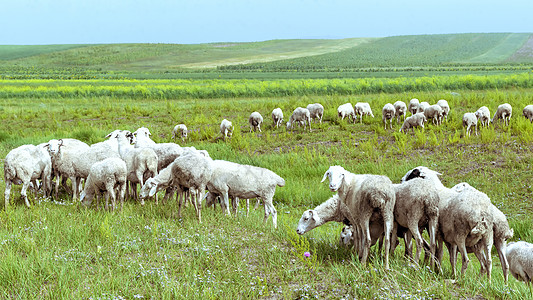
(106, 176)
(416, 120)
(469, 120)
(422, 106)
(520, 257)
(192, 171)
(445, 108)
(316, 111)
(363, 109)
(483, 115)
(226, 128)
(362, 195)
(346, 110)
(277, 117)
(465, 219)
(388, 113)
(255, 121)
(301, 116)
(244, 181)
(26, 164)
(501, 231)
(181, 131)
(528, 112)
(434, 112)
(413, 106)
(417, 206)
(400, 109)
(504, 111)
(140, 163)
(64, 153)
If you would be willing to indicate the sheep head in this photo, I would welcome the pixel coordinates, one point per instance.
(54, 146)
(336, 175)
(422, 172)
(149, 188)
(308, 221)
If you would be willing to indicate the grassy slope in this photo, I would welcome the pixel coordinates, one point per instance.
(12, 52)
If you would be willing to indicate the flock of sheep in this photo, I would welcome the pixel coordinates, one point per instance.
(462, 217)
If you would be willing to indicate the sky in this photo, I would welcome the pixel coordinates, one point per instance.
(29, 22)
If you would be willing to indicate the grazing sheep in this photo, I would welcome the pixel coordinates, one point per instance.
(400, 109)
(528, 112)
(245, 182)
(362, 195)
(63, 154)
(465, 219)
(504, 111)
(316, 111)
(483, 115)
(109, 176)
(346, 110)
(140, 163)
(417, 206)
(434, 112)
(255, 121)
(329, 211)
(416, 120)
(520, 257)
(24, 165)
(445, 108)
(226, 128)
(422, 107)
(388, 113)
(413, 106)
(363, 109)
(469, 120)
(181, 131)
(302, 116)
(277, 117)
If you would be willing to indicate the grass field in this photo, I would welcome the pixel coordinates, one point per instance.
(57, 250)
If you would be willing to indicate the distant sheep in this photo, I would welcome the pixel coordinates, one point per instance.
(413, 106)
(277, 117)
(346, 110)
(528, 112)
(181, 131)
(388, 114)
(109, 176)
(445, 108)
(363, 109)
(504, 111)
(255, 121)
(316, 111)
(469, 120)
(301, 116)
(400, 109)
(434, 112)
(422, 106)
(416, 120)
(483, 115)
(226, 128)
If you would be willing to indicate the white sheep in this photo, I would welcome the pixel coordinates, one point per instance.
(363, 194)
(528, 112)
(107, 176)
(363, 109)
(245, 182)
(301, 116)
(181, 131)
(483, 115)
(328, 211)
(346, 110)
(316, 111)
(24, 165)
(504, 111)
(465, 219)
(520, 257)
(422, 106)
(277, 117)
(445, 108)
(400, 109)
(64, 153)
(255, 121)
(388, 114)
(166, 152)
(469, 120)
(416, 120)
(143, 139)
(413, 106)
(140, 163)
(434, 112)
(226, 128)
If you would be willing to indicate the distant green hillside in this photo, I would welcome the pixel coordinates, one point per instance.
(410, 51)
(12, 52)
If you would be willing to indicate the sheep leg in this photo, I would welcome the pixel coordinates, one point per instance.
(487, 246)
(462, 248)
(226, 202)
(247, 207)
(394, 238)
(366, 240)
(433, 223)
(7, 192)
(23, 193)
(179, 199)
(198, 203)
(122, 192)
(500, 247)
(452, 250)
(388, 219)
(269, 209)
(408, 241)
(74, 183)
(110, 187)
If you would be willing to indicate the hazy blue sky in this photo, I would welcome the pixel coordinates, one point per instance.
(199, 21)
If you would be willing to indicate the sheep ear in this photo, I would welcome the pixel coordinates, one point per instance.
(153, 190)
(314, 216)
(108, 136)
(325, 176)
